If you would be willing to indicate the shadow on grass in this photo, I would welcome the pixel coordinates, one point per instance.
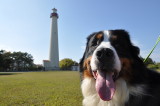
(1, 74)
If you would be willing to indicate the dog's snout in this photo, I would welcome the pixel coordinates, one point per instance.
(104, 53)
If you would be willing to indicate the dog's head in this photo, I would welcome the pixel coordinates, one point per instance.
(108, 56)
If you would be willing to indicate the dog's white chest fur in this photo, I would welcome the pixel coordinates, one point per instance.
(121, 95)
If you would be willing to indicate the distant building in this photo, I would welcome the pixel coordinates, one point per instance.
(53, 62)
(75, 68)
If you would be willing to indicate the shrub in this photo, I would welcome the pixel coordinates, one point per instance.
(65, 64)
(153, 66)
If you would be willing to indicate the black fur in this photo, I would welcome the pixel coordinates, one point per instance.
(152, 95)
(140, 74)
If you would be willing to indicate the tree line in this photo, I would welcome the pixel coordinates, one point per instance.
(22, 61)
(16, 61)
(152, 64)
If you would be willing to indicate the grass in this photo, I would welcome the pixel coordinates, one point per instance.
(158, 70)
(58, 88)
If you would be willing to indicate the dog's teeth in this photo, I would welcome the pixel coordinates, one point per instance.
(95, 74)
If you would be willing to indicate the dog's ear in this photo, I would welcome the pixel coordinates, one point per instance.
(86, 49)
(81, 68)
(135, 50)
(81, 63)
(82, 59)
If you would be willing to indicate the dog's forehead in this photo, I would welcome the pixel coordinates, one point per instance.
(105, 34)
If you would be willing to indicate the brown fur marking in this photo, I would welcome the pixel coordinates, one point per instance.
(87, 67)
(99, 36)
(126, 71)
(114, 37)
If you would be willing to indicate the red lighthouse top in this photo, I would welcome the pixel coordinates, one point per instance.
(54, 13)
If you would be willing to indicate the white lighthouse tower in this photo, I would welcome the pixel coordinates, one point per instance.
(53, 62)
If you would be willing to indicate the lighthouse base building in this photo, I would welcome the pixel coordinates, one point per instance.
(53, 62)
(49, 66)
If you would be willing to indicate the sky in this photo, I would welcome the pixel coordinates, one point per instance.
(25, 25)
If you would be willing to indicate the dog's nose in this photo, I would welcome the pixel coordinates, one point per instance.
(104, 53)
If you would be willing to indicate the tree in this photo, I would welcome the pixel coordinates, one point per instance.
(15, 61)
(65, 64)
(22, 61)
(1, 59)
(7, 61)
(75, 63)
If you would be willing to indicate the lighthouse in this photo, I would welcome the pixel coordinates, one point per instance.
(53, 62)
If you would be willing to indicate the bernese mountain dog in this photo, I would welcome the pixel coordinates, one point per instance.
(113, 74)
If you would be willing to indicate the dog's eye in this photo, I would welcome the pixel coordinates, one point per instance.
(95, 42)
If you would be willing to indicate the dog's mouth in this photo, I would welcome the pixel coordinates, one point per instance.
(105, 83)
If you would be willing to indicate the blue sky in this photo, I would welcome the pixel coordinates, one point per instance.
(25, 24)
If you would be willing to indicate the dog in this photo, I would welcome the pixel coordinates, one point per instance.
(113, 73)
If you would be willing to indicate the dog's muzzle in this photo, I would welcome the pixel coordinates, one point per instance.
(105, 59)
(105, 65)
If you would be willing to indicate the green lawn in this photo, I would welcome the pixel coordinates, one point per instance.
(158, 70)
(58, 88)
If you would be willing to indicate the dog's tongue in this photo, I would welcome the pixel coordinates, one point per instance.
(105, 85)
